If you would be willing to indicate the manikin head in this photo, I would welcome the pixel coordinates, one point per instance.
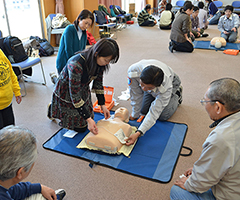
(122, 113)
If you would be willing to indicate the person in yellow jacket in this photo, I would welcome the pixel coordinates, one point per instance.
(8, 85)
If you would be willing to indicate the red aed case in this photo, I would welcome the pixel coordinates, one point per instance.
(109, 103)
(231, 52)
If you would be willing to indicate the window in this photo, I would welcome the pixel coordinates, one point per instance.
(20, 18)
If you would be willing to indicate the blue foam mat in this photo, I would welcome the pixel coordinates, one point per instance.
(154, 156)
(207, 45)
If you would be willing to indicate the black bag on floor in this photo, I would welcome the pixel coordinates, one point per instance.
(14, 49)
(46, 48)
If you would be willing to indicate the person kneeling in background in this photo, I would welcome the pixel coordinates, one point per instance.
(197, 32)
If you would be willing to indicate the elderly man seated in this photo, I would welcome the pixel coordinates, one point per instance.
(215, 175)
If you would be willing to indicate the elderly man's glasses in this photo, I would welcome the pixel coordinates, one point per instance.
(203, 101)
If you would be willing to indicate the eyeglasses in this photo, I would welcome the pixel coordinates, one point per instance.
(203, 102)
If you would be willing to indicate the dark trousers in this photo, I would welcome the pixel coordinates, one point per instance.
(6, 117)
(183, 46)
(165, 27)
(147, 23)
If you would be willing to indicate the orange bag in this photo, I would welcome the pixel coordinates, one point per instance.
(231, 52)
(109, 103)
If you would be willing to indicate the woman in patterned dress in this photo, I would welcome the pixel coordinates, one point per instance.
(71, 100)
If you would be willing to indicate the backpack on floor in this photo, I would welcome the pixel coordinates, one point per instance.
(14, 49)
(46, 49)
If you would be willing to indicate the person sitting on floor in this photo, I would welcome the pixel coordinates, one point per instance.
(144, 19)
(167, 18)
(180, 32)
(18, 154)
(215, 175)
(228, 25)
(214, 13)
(202, 15)
(197, 32)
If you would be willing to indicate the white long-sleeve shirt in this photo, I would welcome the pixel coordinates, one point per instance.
(162, 94)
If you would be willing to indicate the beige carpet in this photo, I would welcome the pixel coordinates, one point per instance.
(196, 71)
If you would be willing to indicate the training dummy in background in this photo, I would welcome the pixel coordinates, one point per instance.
(112, 133)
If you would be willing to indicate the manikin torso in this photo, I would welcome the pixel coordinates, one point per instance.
(105, 139)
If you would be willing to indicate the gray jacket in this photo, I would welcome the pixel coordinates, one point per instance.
(180, 27)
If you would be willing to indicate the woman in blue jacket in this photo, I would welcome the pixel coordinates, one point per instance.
(74, 38)
(214, 13)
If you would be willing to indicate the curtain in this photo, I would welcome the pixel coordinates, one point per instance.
(107, 3)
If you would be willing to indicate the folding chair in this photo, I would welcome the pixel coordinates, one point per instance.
(179, 4)
(219, 5)
(100, 21)
(236, 7)
(30, 62)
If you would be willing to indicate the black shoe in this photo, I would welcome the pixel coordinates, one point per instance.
(171, 46)
(49, 111)
(204, 35)
(60, 194)
(179, 93)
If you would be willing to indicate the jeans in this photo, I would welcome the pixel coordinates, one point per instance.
(178, 193)
(215, 18)
(231, 37)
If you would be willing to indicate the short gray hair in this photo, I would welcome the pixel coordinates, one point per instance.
(18, 148)
(227, 91)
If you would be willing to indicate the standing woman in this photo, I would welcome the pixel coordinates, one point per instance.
(71, 100)
(213, 11)
(181, 30)
(74, 38)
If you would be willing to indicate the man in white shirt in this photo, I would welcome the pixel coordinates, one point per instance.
(155, 93)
